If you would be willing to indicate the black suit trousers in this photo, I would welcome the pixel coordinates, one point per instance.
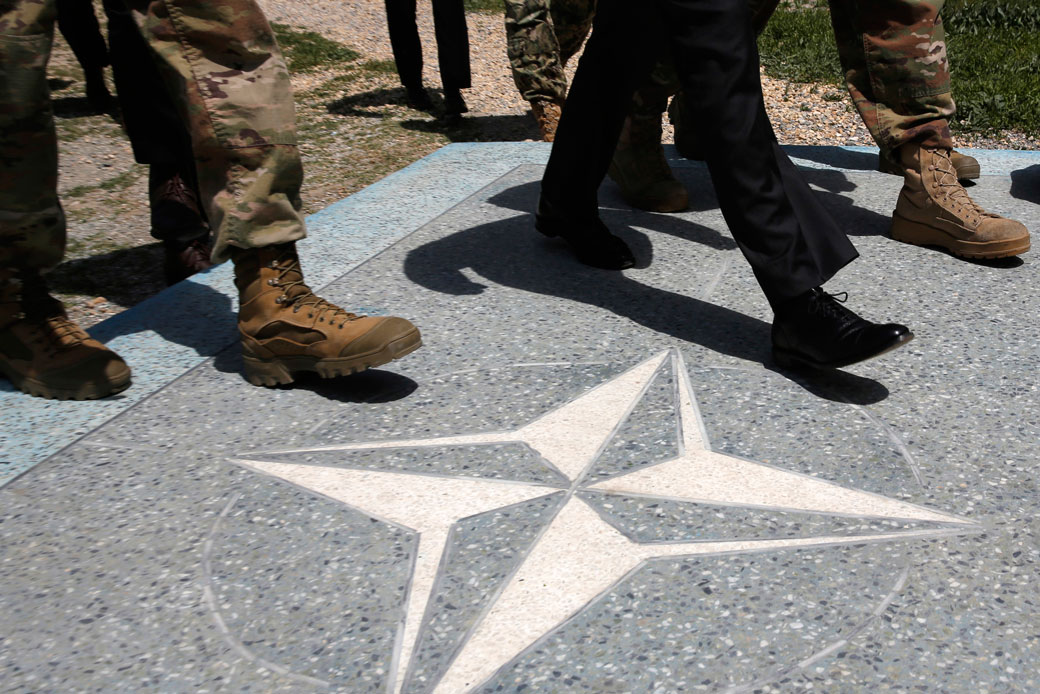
(789, 239)
(449, 24)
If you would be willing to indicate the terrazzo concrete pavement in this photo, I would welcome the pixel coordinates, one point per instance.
(583, 482)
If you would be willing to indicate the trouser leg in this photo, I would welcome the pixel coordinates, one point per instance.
(32, 225)
(156, 131)
(152, 122)
(599, 99)
(449, 23)
(893, 53)
(788, 238)
(534, 51)
(404, 41)
(571, 20)
(241, 121)
(79, 25)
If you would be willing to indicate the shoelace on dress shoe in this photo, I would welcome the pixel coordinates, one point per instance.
(830, 305)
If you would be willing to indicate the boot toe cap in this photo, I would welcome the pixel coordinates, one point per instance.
(391, 332)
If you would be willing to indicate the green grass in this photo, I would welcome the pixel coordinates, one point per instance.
(123, 180)
(798, 45)
(993, 45)
(380, 67)
(488, 6)
(994, 49)
(308, 50)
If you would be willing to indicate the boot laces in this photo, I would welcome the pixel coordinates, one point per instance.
(952, 190)
(299, 296)
(60, 333)
(45, 314)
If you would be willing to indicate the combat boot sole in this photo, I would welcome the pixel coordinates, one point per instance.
(89, 390)
(279, 370)
(919, 234)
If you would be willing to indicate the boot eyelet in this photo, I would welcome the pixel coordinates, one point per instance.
(273, 282)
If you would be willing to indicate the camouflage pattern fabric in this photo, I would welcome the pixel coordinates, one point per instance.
(541, 36)
(894, 56)
(241, 119)
(229, 79)
(32, 225)
(893, 53)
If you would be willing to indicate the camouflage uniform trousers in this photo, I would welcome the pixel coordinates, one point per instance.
(541, 36)
(893, 53)
(241, 120)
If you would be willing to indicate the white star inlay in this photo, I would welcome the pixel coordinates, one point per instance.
(578, 555)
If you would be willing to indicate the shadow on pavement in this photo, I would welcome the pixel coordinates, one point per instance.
(829, 186)
(190, 314)
(372, 386)
(1025, 184)
(834, 156)
(480, 128)
(140, 275)
(470, 128)
(512, 254)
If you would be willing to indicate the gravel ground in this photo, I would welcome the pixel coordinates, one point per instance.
(354, 129)
(801, 113)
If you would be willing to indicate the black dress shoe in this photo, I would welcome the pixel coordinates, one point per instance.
(815, 330)
(184, 259)
(591, 241)
(419, 98)
(454, 105)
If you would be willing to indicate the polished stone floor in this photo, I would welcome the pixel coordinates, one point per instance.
(585, 481)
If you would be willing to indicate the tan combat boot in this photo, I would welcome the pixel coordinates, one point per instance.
(285, 328)
(547, 114)
(43, 353)
(935, 210)
(968, 168)
(641, 170)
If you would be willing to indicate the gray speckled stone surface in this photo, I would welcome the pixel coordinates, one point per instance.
(713, 623)
(649, 435)
(652, 519)
(144, 557)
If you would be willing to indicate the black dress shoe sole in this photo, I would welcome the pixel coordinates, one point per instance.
(789, 359)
